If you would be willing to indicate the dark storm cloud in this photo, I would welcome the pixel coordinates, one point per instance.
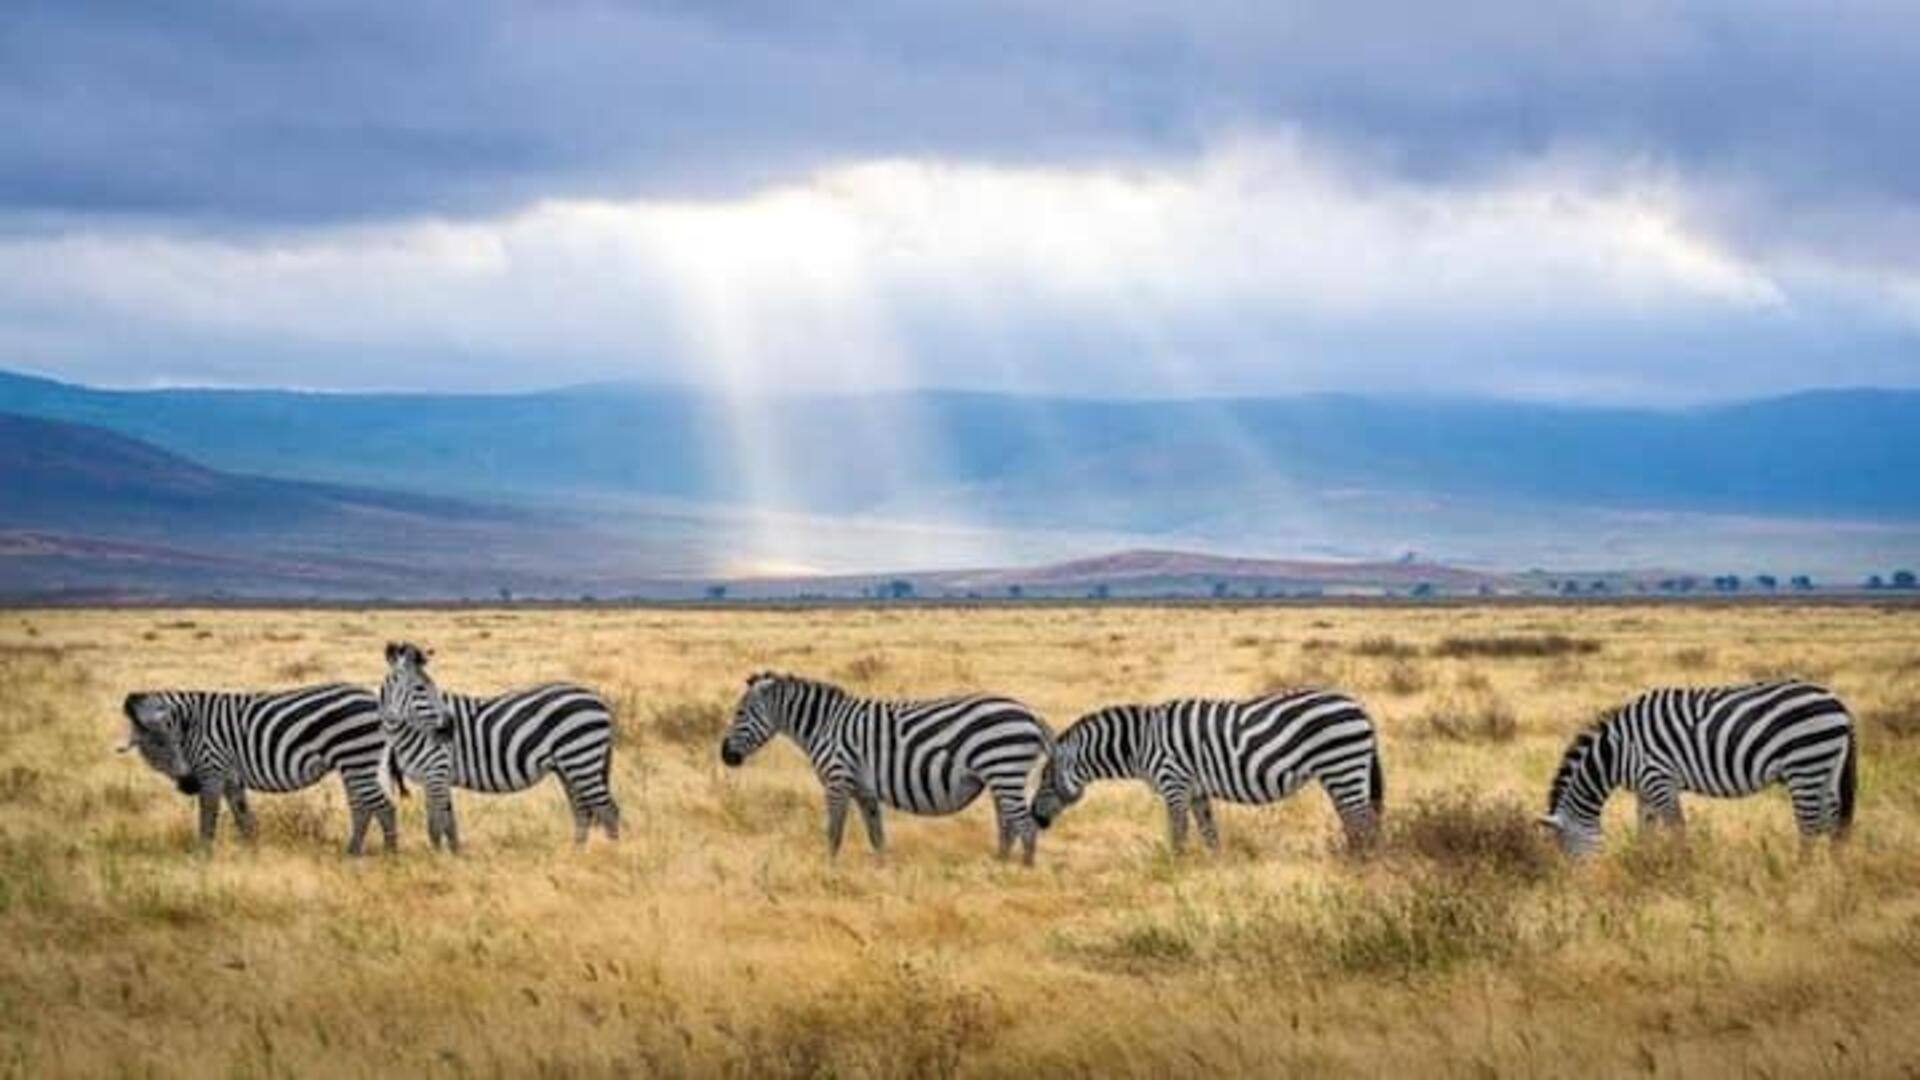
(349, 110)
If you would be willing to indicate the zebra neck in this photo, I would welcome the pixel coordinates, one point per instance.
(1114, 745)
(815, 717)
(1595, 766)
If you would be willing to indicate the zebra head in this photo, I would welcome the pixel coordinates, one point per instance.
(1061, 784)
(156, 728)
(1579, 792)
(759, 715)
(408, 697)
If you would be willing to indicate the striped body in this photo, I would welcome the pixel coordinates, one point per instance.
(925, 757)
(1720, 741)
(500, 744)
(216, 744)
(1194, 750)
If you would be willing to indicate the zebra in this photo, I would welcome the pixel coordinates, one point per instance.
(497, 744)
(1722, 741)
(1194, 750)
(930, 757)
(215, 743)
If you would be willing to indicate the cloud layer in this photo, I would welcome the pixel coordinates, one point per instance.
(1632, 200)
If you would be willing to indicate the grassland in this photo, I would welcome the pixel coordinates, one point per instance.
(716, 938)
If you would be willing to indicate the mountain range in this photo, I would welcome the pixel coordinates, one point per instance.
(619, 488)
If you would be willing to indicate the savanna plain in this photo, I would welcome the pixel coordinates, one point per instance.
(716, 937)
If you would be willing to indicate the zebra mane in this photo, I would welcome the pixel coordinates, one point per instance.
(1579, 748)
(785, 680)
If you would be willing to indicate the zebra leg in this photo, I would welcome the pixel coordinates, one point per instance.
(582, 815)
(836, 819)
(1815, 809)
(1177, 808)
(1015, 820)
(360, 816)
(242, 813)
(608, 814)
(588, 796)
(209, 815)
(366, 800)
(441, 827)
(1203, 817)
(870, 814)
(1660, 803)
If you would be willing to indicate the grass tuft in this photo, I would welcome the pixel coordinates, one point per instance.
(1511, 646)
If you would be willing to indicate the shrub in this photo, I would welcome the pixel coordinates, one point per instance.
(1486, 720)
(865, 669)
(689, 723)
(1403, 678)
(1424, 924)
(299, 670)
(1462, 833)
(1502, 646)
(1384, 646)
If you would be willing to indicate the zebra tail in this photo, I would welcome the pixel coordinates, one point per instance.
(1849, 780)
(1377, 784)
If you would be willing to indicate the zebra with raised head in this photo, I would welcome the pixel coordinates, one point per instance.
(928, 757)
(1194, 750)
(1722, 741)
(218, 744)
(497, 744)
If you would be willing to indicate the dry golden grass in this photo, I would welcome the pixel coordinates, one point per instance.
(716, 938)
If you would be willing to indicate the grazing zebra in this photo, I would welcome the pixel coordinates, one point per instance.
(1722, 741)
(215, 744)
(497, 744)
(924, 757)
(1194, 750)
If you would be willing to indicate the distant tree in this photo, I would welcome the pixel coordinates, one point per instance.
(1904, 579)
(1016, 591)
(1766, 581)
(586, 598)
(899, 589)
(1727, 583)
(1597, 586)
(1101, 592)
(1422, 589)
(506, 595)
(1875, 581)
(1569, 588)
(1802, 582)
(1485, 589)
(716, 592)
(1220, 590)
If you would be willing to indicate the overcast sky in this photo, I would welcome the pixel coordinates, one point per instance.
(1626, 201)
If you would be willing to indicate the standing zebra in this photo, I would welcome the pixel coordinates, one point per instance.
(497, 744)
(924, 757)
(1722, 741)
(1194, 750)
(215, 744)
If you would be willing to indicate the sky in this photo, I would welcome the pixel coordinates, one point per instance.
(1624, 201)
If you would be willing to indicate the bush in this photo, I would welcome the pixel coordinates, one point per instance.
(1487, 720)
(1501, 646)
(690, 723)
(1426, 924)
(1462, 833)
(1404, 678)
(1385, 647)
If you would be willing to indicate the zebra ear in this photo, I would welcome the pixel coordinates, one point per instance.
(393, 651)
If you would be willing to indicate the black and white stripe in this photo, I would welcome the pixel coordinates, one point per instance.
(498, 744)
(925, 757)
(1194, 750)
(1722, 741)
(214, 744)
